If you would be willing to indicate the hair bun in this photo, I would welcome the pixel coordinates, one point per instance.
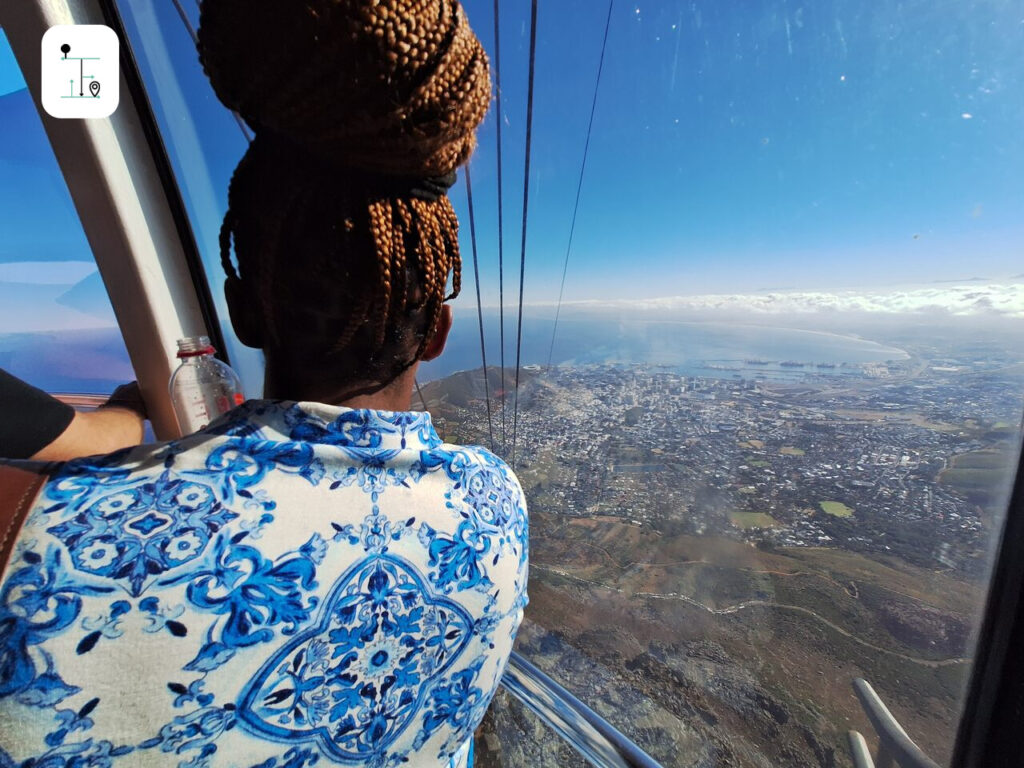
(395, 86)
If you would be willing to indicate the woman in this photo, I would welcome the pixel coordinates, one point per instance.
(314, 578)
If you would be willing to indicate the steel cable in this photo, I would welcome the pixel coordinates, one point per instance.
(419, 392)
(195, 41)
(501, 236)
(526, 208)
(579, 185)
(479, 308)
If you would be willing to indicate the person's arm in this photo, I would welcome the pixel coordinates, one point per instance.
(29, 418)
(35, 425)
(116, 424)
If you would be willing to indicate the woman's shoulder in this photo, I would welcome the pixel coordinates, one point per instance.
(465, 461)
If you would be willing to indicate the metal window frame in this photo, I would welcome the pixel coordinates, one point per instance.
(132, 75)
(129, 205)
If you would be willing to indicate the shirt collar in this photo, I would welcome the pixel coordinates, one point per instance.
(330, 425)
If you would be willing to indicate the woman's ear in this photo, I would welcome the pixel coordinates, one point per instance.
(444, 325)
(242, 310)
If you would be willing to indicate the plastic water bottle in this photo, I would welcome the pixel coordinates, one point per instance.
(202, 388)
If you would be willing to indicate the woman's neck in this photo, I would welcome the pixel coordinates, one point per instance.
(396, 396)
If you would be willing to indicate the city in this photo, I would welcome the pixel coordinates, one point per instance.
(773, 532)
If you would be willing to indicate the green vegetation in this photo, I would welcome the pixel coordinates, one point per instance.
(982, 460)
(983, 486)
(981, 476)
(974, 479)
(789, 450)
(835, 508)
(746, 520)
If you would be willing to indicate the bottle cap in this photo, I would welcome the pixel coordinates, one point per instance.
(194, 346)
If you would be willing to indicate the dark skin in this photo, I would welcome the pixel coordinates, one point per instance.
(283, 381)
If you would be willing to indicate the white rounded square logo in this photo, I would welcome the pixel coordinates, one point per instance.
(80, 72)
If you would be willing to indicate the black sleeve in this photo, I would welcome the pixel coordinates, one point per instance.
(29, 418)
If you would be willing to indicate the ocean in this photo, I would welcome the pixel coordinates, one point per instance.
(95, 361)
(710, 349)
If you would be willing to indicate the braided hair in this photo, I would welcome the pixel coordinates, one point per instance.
(342, 236)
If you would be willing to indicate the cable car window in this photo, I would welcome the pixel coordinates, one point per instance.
(769, 445)
(755, 348)
(57, 329)
(203, 140)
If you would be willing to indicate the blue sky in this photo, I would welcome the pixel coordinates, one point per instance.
(763, 145)
(736, 147)
(47, 279)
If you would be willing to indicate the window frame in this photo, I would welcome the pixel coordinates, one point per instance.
(132, 76)
(118, 175)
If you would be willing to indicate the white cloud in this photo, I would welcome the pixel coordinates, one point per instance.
(1005, 300)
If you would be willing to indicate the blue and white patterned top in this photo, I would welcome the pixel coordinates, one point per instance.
(295, 585)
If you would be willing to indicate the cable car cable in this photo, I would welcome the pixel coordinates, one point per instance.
(579, 185)
(420, 393)
(526, 208)
(501, 237)
(479, 309)
(195, 41)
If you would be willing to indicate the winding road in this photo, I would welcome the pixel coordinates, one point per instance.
(933, 663)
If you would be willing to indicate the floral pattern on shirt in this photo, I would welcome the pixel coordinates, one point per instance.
(297, 584)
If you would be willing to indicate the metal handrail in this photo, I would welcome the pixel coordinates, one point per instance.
(80, 401)
(894, 745)
(597, 740)
(859, 751)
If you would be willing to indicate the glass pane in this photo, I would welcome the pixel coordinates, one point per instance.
(511, 736)
(768, 445)
(57, 329)
(203, 140)
(768, 448)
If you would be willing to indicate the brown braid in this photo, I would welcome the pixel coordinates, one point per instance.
(342, 95)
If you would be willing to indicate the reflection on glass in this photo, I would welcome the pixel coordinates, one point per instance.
(57, 329)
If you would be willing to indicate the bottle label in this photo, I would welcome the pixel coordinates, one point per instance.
(202, 389)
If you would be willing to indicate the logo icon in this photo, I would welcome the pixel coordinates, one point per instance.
(80, 72)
